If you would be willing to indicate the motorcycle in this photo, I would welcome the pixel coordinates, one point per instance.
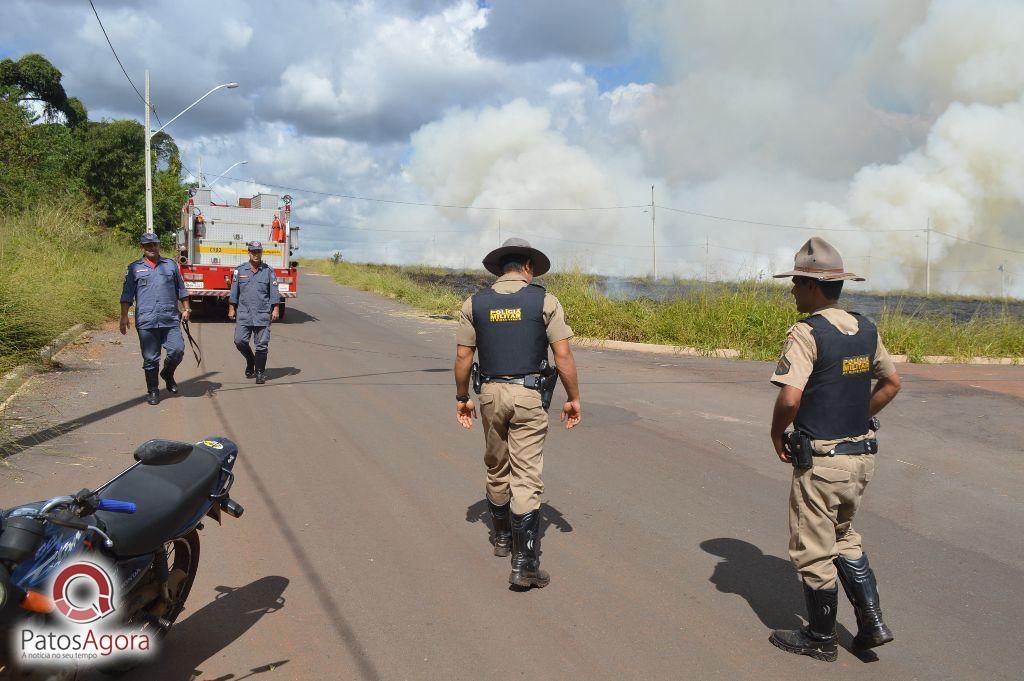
(144, 522)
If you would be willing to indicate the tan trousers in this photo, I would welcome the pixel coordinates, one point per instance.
(822, 503)
(515, 425)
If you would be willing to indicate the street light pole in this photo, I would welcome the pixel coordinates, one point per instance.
(149, 170)
(149, 137)
(654, 247)
(236, 163)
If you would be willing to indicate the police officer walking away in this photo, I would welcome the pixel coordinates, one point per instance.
(824, 375)
(511, 324)
(155, 286)
(255, 296)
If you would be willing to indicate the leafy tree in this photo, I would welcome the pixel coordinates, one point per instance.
(34, 78)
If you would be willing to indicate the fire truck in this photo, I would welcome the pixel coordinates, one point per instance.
(211, 243)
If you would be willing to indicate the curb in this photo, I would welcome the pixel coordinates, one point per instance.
(728, 353)
(14, 379)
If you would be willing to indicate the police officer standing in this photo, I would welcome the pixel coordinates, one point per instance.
(511, 324)
(824, 376)
(255, 295)
(155, 286)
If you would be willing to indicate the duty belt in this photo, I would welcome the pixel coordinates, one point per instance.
(869, 446)
(517, 380)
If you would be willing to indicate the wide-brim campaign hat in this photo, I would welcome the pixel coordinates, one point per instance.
(818, 259)
(541, 263)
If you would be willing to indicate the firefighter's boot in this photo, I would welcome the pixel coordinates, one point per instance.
(152, 386)
(250, 361)
(168, 375)
(261, 368)
(818, 638)
(500, 516)
(859, 583)
(526, 570)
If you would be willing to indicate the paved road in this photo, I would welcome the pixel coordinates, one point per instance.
(363, 553)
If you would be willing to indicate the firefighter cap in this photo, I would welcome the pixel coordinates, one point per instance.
(255, 246)
(149, 238)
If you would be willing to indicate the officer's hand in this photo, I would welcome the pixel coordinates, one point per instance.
(185, 314)
(275, 313)
(465, 412)
(780, 451)
(124, 325)
(572, 414)
(231, 316)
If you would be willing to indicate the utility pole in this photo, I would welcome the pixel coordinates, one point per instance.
(654, 246)
(928, 259)
(149, 174)
(200, 178)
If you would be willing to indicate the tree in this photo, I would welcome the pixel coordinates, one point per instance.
(114, 172)
(34, 78)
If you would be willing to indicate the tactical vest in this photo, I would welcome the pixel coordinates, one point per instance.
(837, 396)
(511, 337)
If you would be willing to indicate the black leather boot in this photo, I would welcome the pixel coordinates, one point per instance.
(859, 583)
(152, 386)
(526, 570)
(168, 375)
(501, 517)
(818, 638)
(261, 368)
(250, 361)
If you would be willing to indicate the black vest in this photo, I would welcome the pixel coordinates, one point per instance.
(511, 337)
(837, 396)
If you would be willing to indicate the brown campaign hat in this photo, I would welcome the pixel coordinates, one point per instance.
(818, 259)
(541, 263)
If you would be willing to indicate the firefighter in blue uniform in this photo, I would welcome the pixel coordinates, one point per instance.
(154, 285)
(254, 302)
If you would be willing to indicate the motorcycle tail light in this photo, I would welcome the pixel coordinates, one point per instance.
(37, 602)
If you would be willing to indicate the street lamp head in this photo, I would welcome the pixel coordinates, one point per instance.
(231, 86)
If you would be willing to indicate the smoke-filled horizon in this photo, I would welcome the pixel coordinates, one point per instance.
(870, 121)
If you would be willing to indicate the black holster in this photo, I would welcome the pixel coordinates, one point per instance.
(798, 446)
(475, 378)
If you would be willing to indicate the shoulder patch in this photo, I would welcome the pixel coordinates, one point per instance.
(783, 366)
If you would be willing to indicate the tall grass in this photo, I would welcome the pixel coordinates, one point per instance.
(55, 271)
(750, 317)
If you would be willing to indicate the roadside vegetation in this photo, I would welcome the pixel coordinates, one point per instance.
(55, 271)
(71, 205)
(750, 317)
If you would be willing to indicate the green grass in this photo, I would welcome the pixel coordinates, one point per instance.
(751, 317)
(56, 270)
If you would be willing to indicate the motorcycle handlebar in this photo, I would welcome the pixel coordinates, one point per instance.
(115, 506)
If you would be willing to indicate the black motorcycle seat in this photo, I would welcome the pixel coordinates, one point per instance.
(167, 498)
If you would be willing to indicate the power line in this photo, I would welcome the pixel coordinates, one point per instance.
(978, 243)
(433, 205)
(775, 224)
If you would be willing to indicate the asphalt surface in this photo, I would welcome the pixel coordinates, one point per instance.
(363, 552)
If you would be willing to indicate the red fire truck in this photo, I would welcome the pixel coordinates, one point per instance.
(211, 243)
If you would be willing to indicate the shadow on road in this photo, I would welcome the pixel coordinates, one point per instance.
(281, 372)
(192, 387)
(478, 512)
(769, 585)
(212, 628)
(296, 316)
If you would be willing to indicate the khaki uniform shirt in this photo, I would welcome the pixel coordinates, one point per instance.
(801, 351)
(554, 315)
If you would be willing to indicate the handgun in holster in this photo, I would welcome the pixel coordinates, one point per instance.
(543, 382)
(799, 448)
(475, 377)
